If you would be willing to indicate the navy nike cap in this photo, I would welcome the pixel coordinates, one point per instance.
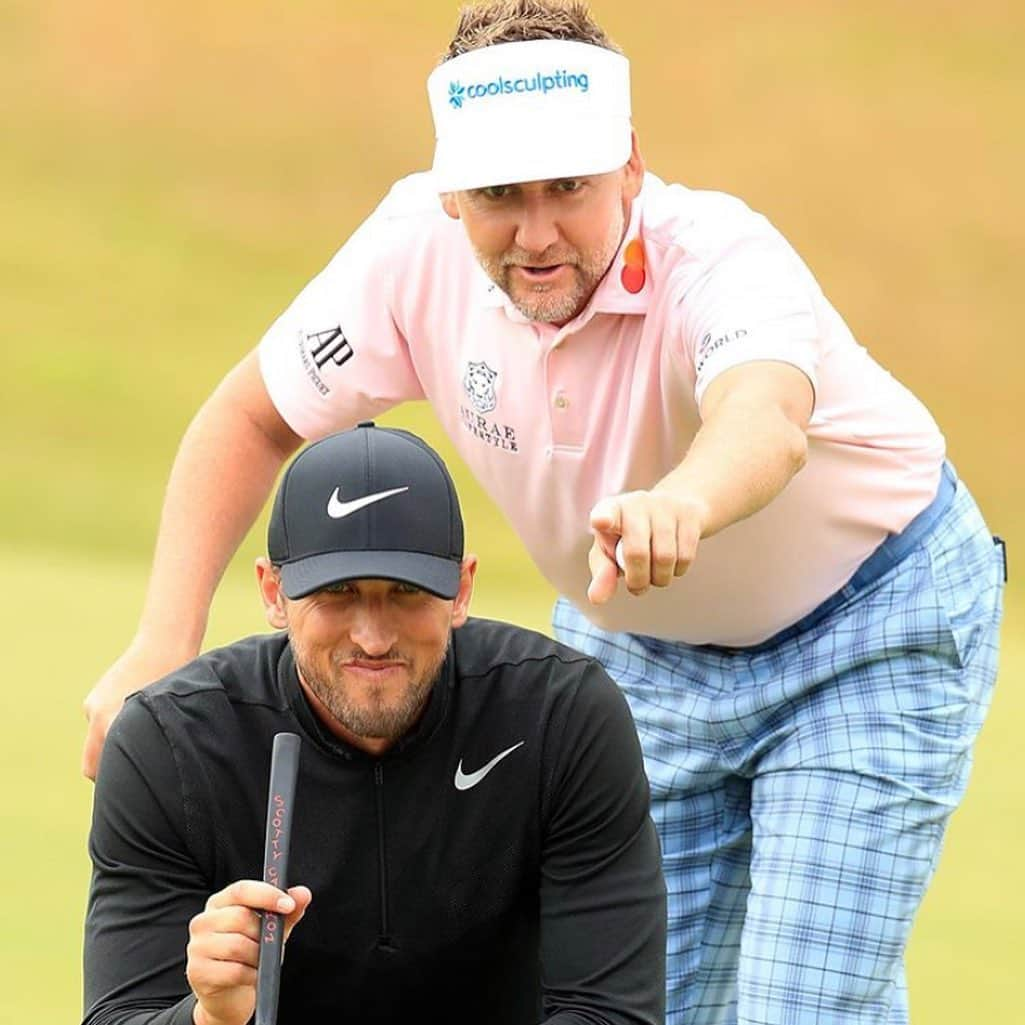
(370, 503)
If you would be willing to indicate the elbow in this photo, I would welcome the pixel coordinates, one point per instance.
(796, 448)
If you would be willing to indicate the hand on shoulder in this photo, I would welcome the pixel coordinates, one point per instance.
(139, 665)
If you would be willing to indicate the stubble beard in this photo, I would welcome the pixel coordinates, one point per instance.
(370, 718)
(543, 302)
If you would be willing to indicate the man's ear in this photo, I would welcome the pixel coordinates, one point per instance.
(461, 606)
(269, 582)
(634, 177)
(449, 205)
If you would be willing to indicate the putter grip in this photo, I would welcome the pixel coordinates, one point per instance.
(284, 767)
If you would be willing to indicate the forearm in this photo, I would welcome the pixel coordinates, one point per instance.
(750, 444)
(222, 475)
(743, 456)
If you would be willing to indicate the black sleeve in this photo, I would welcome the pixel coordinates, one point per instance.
(146, 885)
(603, 897)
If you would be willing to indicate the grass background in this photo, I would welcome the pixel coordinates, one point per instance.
(170, 176)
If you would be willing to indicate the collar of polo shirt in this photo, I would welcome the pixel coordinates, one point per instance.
(529, 111)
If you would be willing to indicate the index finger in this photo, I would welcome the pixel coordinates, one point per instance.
(252, 893)
(605, 516)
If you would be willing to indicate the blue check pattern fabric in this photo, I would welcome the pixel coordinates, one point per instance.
(801, 788)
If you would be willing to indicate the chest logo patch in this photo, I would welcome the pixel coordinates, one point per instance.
(479, 385)
(633, 274)
(464, 781)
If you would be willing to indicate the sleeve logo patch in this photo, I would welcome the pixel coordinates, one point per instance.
(319, 349)
(710, 345)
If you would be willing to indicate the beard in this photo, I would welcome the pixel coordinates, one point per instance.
(547, 303)
(365, 712)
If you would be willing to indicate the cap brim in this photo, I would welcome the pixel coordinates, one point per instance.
(500, 155)
(431, 572)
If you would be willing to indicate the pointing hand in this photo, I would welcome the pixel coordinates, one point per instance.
(654, 534)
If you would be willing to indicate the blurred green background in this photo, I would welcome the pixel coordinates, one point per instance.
(170, 176)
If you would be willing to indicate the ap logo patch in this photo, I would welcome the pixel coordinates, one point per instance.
(479, 385)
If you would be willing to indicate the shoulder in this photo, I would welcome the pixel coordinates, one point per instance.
(525, 663)
(208, 719)
(410, 210)
(483, 646)
(408, 235)
(710, 249)
(411, 198)
(243, 673)
(700, 224)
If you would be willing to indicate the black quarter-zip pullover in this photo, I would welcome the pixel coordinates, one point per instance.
(497, 865)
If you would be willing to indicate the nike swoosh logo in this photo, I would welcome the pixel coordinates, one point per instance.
(337, 509)
(464, 780)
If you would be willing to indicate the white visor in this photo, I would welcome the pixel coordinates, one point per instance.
(531, 111)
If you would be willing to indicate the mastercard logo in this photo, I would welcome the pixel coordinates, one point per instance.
(632, 275)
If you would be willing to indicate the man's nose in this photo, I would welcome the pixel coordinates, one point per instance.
(537, 229)
(372, 630)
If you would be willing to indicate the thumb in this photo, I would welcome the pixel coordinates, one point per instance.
(603, 584)
(604, 575)
(302, 897)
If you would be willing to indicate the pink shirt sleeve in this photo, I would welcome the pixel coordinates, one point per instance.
(755, 302)
(336, 356)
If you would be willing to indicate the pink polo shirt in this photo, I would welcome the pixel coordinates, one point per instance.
(552, 419)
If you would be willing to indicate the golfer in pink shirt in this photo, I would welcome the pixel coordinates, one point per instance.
(751, 523)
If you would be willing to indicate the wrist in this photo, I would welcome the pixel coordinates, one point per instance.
(691, 506)
(172, 645)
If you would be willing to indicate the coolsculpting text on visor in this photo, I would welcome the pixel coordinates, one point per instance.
(459, 94)
(529, 111)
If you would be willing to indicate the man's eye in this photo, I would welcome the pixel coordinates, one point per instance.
(495, 191)
(338, 588)
(402, 588)
(569, 185)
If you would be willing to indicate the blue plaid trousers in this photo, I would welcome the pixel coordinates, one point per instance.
(801, 787)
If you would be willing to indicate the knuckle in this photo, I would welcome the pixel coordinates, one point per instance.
(236, 974)
(238, 949)
(241, 893)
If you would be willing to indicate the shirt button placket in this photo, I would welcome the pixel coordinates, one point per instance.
(557, 397)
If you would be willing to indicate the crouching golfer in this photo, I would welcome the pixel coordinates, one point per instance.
(471, 825)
